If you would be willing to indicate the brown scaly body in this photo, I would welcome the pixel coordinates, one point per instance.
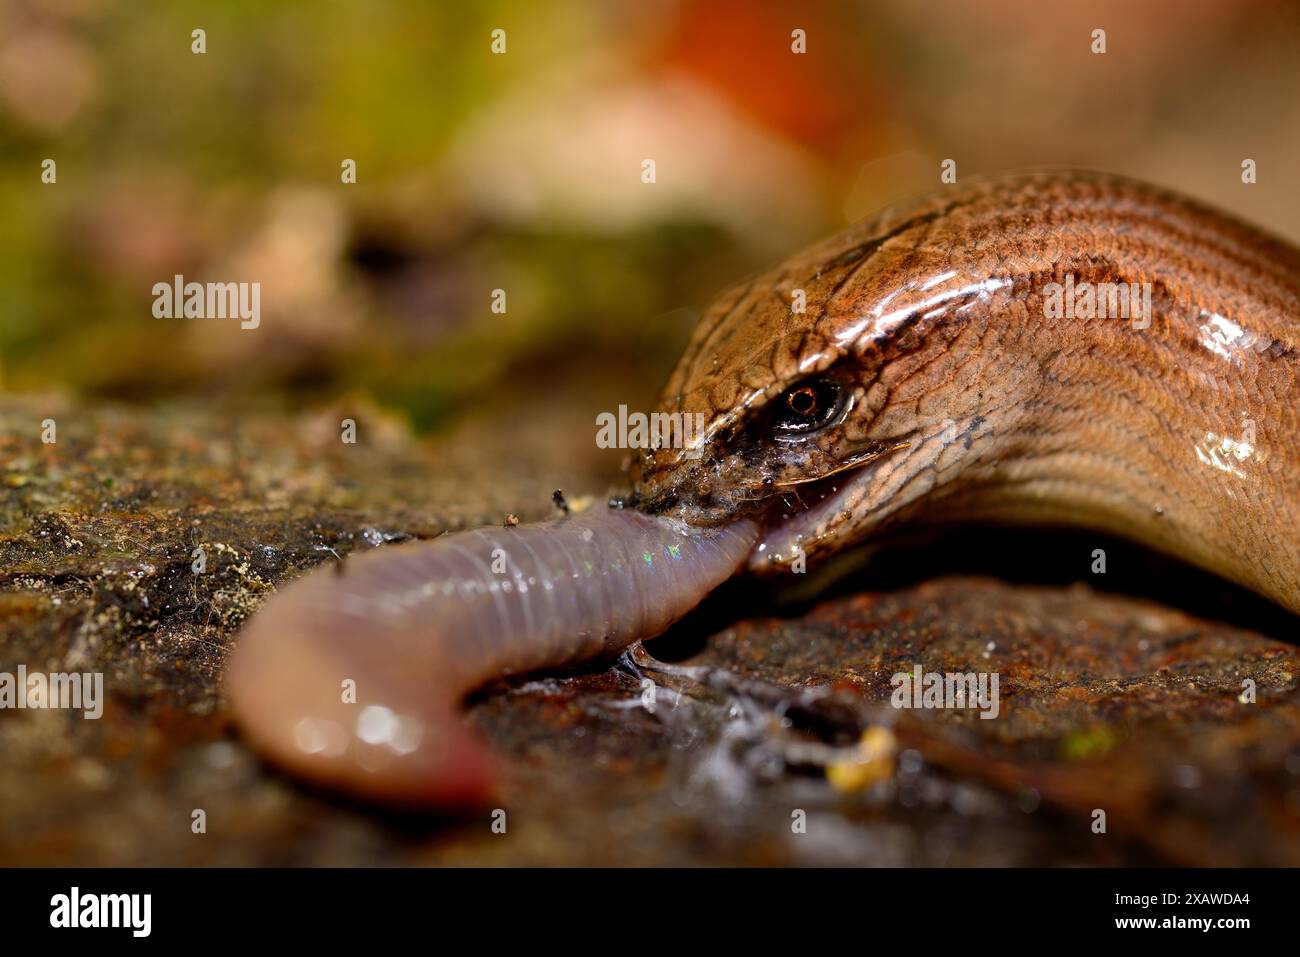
(928, 377)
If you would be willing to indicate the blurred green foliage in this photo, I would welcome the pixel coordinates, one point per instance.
(167, 161)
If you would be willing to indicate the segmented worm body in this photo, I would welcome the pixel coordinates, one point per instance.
(939, 361)
(354, 677)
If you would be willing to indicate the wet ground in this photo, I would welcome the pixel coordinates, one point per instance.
(760, 731)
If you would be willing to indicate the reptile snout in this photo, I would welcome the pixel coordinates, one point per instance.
(686, 484)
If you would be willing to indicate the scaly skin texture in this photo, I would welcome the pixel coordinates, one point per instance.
(966, 398)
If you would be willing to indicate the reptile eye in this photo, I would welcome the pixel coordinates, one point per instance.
(806, 406)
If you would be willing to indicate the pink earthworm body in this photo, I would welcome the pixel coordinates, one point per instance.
(353, 676)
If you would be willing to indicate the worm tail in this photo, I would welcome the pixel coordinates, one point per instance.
(353, 677)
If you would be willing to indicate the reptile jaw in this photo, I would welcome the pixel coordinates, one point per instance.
(803, 516)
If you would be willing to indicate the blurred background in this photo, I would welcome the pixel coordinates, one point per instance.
(522, 171)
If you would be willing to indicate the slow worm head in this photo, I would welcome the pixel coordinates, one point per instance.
(1057, 347)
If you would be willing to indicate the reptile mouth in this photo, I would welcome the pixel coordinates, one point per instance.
(800, 513)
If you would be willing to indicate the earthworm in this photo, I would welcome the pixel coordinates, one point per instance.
(353, 678)
(936, 362)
